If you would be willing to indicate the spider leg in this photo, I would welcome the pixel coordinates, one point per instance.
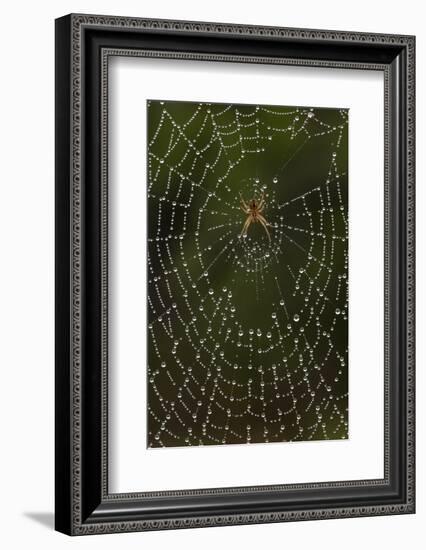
(245, 210)
(261, 202)
(264, 222)
(246, 206)
(246, 226)
(244, 203)
(262, 219)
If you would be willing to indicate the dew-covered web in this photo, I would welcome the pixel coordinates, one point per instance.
(248, 334)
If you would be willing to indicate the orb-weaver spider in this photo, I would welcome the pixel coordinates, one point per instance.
(254, 210)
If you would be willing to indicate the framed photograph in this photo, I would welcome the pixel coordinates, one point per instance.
(234, 274)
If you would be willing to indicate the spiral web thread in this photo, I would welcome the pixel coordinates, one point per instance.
(247, 336)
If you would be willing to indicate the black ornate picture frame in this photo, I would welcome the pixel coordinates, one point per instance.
(84, 44)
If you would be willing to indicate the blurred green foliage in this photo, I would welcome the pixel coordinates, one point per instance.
(248, 337)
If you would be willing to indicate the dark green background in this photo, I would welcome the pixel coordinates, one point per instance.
(194, 223)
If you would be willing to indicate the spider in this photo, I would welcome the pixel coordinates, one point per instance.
(254, 211)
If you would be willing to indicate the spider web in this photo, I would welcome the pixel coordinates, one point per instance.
(247, 337)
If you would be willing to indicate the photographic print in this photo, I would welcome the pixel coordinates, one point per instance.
(208, 253)
(247, 273)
